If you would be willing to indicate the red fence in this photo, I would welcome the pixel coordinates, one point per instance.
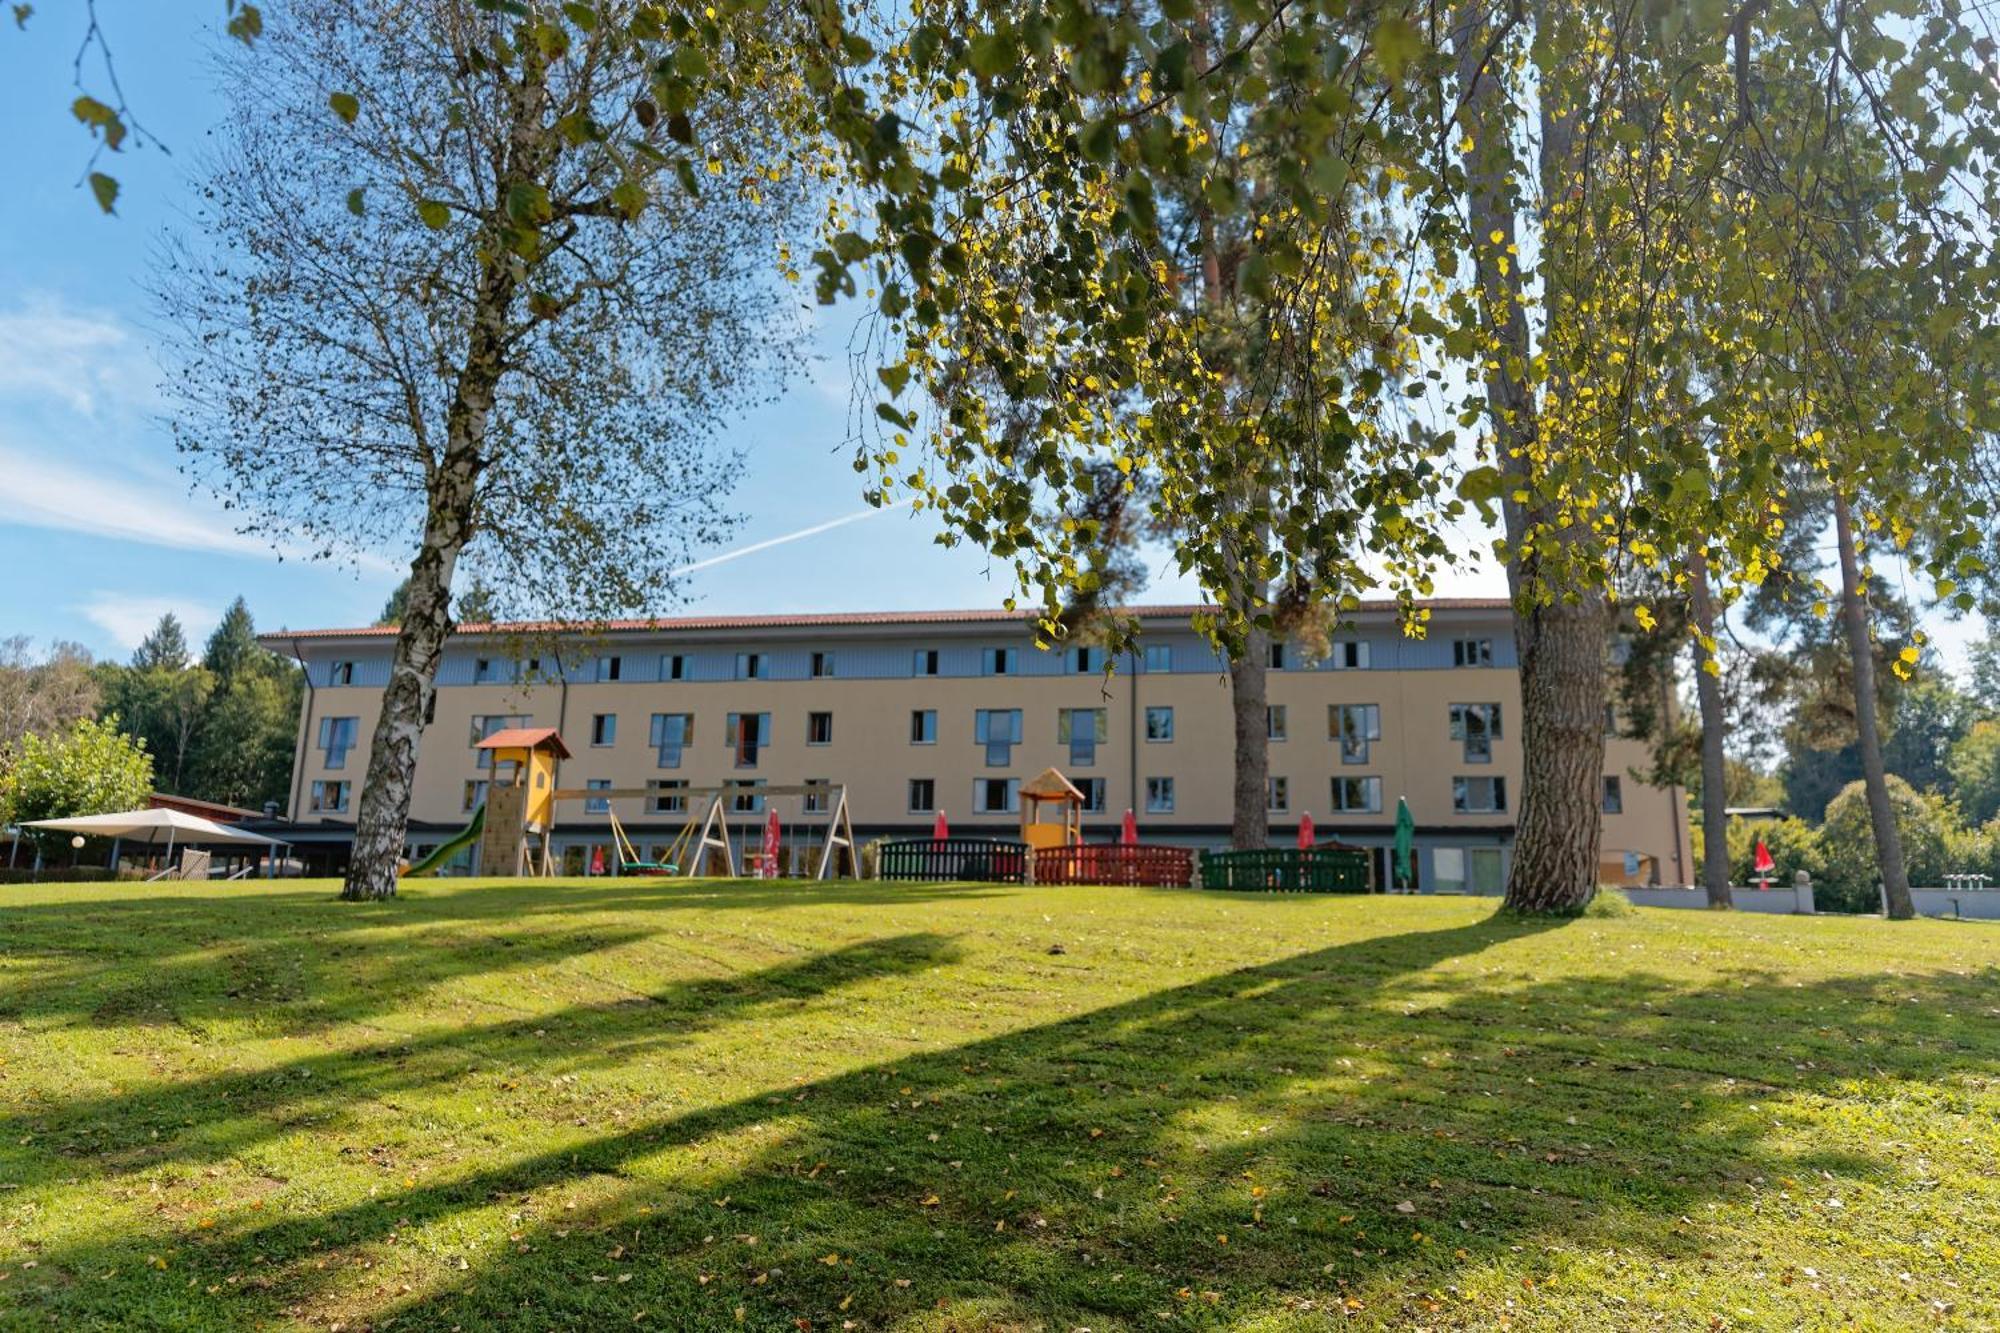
(1115, 863)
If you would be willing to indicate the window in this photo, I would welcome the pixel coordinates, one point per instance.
(485, 670)
(1484, 864)
(532, 669)
(1085, 660)
(997, 661)
(1479, 796)
(822, 665)
(745, 798)
(996, 796)
(336, 737)
(1274, 722)
(1614, 794)
(749, 666)
(818, 797)
(923, 726)
(1275, 658)
(1279, 798)
(673, 666)
(331, 797)
(670, 734)
(604, 728)
(1159, 796)
(1159, 657)
(924, 662)
(749, 733)
(819, 728)
(1467, 869)
(1349, 655)
(610, 668)
(1472, 652)
(340, 673)
(999, 730)
(1478, 725)
(1093, 794)
(597, 805)
(1357, 796)
(1354, 726)
(489, 724)
(665, 796)
(1159, 724)
(475, 794)
(1082, 730)
(923, 795)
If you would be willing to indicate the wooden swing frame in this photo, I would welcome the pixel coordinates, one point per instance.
(700, 838)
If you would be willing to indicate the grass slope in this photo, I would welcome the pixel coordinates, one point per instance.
(722, 1105)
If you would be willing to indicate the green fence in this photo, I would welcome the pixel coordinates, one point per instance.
(1288, 870)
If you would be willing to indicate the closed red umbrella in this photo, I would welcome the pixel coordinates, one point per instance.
(941, 830)
(597, 860)
(769, 869)
(1129, 834)
(1305, 832)
(1763, 864)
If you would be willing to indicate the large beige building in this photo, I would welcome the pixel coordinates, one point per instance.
(927, 712)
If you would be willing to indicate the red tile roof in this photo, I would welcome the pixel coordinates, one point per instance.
(826, 620)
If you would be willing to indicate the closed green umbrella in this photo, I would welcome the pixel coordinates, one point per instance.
(1406, 836)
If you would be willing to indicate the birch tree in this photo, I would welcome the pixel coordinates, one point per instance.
(461, 287)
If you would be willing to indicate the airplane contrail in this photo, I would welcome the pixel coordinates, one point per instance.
(739, 552)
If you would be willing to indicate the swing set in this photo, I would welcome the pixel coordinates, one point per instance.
(821, 830)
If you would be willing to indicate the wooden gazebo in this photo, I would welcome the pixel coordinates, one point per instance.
(1051, 788)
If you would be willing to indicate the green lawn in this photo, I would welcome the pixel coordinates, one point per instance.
(721, 1105)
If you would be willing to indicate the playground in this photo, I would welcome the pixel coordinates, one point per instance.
(735, 1104)
(739, 829)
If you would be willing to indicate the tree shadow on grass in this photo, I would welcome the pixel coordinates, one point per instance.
(297, 962)
(195, 1123)
(1374, 1119)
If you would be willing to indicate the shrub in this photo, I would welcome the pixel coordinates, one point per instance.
(1928, 825)
(1794, 845)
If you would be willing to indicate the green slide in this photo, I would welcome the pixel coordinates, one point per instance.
(451, 846)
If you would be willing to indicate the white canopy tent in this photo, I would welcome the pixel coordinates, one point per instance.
(154, 827)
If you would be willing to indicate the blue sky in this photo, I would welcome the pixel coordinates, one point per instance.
(99, 533)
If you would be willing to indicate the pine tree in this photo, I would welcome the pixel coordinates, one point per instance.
(233, 648)
(164, 649)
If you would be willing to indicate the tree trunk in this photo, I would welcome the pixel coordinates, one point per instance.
(1708, 694)
(1854, 610)
(382, 819)
(381, 822)
(1250, 817)
(1559, 633)
(1560, 827)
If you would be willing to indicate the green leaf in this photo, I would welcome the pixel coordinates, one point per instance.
(990, 54)
(105, 189)
(355, 203)
(630, 196)
(22, 13)
(895, 377)
(527, 204)
(246, 25)
(583, 16)
(345, 105)
(435, 214)
(1397, 43)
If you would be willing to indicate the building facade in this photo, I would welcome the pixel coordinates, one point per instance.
(922, 713)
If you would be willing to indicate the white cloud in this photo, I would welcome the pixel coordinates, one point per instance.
(44, 493)
(129, 619)
(89, 362)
